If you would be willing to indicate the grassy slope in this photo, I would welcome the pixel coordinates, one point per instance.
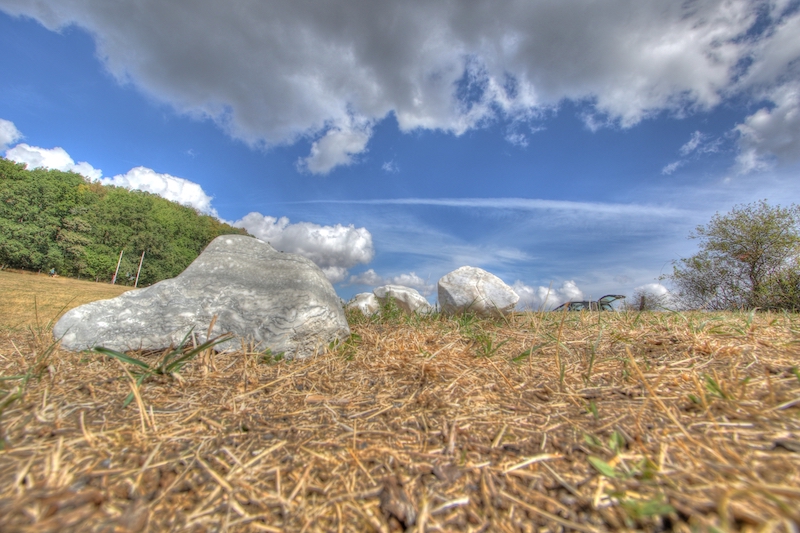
(606, 421)
(26, 295)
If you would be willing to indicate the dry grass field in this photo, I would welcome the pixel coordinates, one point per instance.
(29, 299)
(541, 422)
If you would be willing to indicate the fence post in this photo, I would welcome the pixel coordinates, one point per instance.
(136, 284)
(114, 279)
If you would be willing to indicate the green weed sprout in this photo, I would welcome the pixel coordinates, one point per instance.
(169, 364)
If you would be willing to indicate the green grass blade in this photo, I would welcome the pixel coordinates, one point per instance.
(179, 362)
(603, 467)
(122, 357)
(164, 364)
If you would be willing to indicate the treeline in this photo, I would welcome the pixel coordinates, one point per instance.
(58, 220)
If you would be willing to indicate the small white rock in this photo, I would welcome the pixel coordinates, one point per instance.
(406, 298)
(471, 289)
(366, 302)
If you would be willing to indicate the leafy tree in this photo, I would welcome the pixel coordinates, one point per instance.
(53, 219)
(745, 256)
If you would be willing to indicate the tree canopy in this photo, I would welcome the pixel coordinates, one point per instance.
(748, 258)
(53, 219)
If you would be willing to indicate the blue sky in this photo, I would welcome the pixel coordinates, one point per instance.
(563, 145)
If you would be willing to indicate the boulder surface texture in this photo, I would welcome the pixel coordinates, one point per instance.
(366, 302)
(471, 289)
(273, 300)
(407, 299)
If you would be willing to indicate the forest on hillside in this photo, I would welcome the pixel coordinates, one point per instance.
(58, 220)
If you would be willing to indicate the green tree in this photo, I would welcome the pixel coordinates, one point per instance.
(745, 255)
(53, 219)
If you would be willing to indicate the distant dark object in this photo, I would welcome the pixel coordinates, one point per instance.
(603, 304)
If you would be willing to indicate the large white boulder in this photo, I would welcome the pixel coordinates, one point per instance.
(274, 300)
(366, 302)
(471, 289)
(407, 299)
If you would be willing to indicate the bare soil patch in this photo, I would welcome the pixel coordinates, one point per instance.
(545, 421)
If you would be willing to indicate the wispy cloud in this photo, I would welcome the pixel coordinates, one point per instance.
(698, 145)
(520, 204)
(390, 167)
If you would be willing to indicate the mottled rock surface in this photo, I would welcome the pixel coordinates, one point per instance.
(366, 302)
(274, 300)
(475, 290)
(407, 299)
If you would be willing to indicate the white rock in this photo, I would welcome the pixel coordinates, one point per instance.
(274, 300)
(406, 298)
(475, 290)
(366, 302)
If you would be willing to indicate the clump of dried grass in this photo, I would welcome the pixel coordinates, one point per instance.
(580, 421)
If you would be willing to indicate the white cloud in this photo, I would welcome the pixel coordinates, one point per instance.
(336, 148)
(390, 167)
(55, 158)
(517, 139)
(697, 145)
(335, 274)
(771, 134)
(172, 188)
(9, 134)
(333, 248)
(672, 167)
(655, 289)
(692, 144)
(658, 295)
(369, 277)
(415, 282)
(545, 298)
(285, 70)
(522, 204)
(411, 279)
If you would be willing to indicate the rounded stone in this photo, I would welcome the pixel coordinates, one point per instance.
(471, 289)
(270, 300)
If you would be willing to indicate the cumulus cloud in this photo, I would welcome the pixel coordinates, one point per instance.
(328, 71)
(369, 277)
(55, 158)
(655, 289)
(9, 134)
(334, 249)
(335, 274)
(172, 188)
(337, 147)
(546, 297)
(415, 282)
(411, 279)
(656, 296)
(771, 134)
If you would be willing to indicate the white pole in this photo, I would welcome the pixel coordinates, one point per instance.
(136, 284)
(114, 279)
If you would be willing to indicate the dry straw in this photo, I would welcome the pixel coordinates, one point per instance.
(622, 421)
